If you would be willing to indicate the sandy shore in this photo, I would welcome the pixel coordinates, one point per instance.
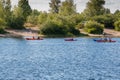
(23, 33)
(109, 32)
(29, 32)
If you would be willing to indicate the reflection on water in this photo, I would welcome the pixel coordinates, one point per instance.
(56, 59)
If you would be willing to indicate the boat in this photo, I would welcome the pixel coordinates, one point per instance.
(100, 40)
(70, 39)
(34, 38)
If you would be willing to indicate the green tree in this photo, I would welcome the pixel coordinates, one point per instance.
(93, 27)
(42, 17)
(26, 9)
(117, 25)
(54, 5)
(2, 3)
(1, 10)
(17, 12)
(35, 12)
(67, 8)
(117, 15)
(108, 20)
(61, 25)
(33, 17)
(95, 7)
(20, 14)
(7, 7)
(17, 19)
(2, 21)
(7, 11)
(117, 12)
(106, 11)
(52, 28)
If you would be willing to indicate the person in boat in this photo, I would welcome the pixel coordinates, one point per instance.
(38, 37)
(33, 37)
(72, 39)
(104, 34)
(110, 39)
(105, 39)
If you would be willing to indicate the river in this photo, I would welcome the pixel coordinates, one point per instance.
(56, 59)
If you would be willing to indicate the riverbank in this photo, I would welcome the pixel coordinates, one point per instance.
(34, 31)
(28, 32)
(109, 32)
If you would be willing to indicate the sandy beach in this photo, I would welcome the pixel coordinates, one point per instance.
(109, 32)
(28, 32)
(34, 31)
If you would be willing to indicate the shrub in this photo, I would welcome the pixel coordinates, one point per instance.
(117, 25)
(2, 22)
(17, 23)
(80, 25)
(73, 30)
(2, 26)
(69, 24)
(2, 31)
(51, 28)
(117, 15)
(42, 18)
(93, 27)
(32, 19)
(107, 20)
(59, 25)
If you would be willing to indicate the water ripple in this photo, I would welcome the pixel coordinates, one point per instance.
(56, 59)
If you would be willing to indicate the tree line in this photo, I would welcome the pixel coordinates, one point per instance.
(62, 18)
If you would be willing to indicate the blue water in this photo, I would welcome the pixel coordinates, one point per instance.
(56, 59)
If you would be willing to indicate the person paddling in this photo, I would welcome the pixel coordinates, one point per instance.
(38, 37)
(33, 37)
(110, 40)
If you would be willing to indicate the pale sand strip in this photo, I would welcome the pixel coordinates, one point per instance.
(28, 32)
(109, 32)
(34, 32)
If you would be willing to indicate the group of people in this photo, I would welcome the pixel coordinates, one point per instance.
(106, 38)
(37, 37)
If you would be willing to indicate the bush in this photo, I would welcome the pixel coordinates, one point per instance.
(2, 22)
(51, 28)
(42, 18)
(2, 26)
(59, 25)
(32, 19)
(16, 23)
(93, 27)
(117, 15)
(73, 30)
(117, 25)
(107, 20)
(69, 24)
(2, 31)
(80, 25)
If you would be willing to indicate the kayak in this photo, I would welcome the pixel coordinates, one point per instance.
(34, 39)
(104, 40)
(70, 39)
